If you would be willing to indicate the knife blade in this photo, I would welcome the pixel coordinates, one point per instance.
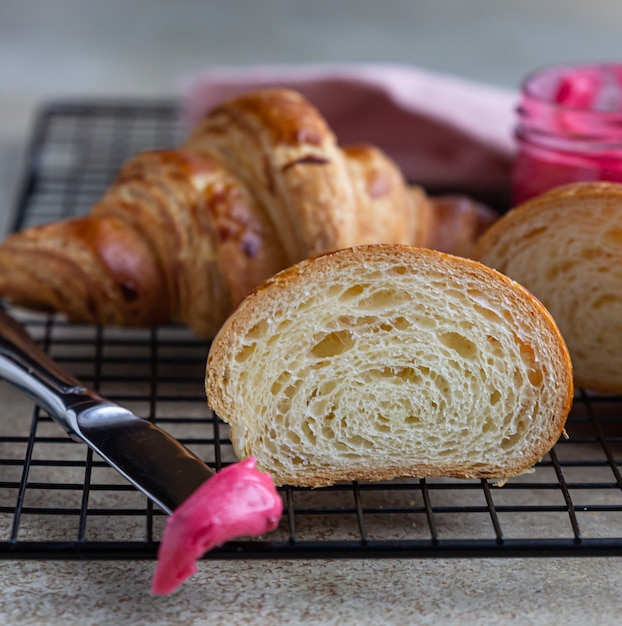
(148, 457)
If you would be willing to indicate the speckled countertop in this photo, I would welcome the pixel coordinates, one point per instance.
(142, 49)
(518, 592)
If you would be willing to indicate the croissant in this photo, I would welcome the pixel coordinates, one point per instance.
(184, 234)
(565, 246)
(411, 363)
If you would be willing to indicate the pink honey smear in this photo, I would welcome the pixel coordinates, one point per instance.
(237, 501)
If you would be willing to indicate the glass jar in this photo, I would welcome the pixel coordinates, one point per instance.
(569, 128)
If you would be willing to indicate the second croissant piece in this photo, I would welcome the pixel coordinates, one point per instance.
(183, 235)
(565, 246)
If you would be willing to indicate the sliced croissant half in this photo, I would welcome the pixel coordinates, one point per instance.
(386, 361)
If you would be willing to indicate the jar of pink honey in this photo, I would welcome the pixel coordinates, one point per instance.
(569, 129)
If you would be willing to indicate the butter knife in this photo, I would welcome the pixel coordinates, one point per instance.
(148, 457)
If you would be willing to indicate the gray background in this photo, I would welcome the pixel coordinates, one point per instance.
(64, 48)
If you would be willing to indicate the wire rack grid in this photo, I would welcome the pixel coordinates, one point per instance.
(59, 501)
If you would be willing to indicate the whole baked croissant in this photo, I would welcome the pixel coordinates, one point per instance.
(183, 235)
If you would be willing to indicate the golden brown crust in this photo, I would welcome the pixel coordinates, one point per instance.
(283, 150)
(385, 211)
(88, 268)
(455, 223)
(157, 194)
(259, 185)
(548, 201)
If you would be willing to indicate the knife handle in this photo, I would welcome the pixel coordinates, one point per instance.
(17, 344)
(24, 364)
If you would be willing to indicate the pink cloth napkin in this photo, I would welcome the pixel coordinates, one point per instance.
(442, 130)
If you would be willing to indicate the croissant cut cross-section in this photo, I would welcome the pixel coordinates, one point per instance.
(383, 361)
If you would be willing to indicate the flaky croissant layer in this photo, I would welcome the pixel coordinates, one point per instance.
(378, 362)
(183, 235)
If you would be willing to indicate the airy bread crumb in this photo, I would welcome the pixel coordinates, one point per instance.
(383, 361)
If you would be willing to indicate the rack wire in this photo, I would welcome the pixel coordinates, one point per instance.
(60, 501)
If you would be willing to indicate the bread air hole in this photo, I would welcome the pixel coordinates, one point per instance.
(370, 323)
(489, 425)
(245, 352)
(528, 356)
(518, 378)
(293, 437)
(495, 346)
(507, 443)
(613, 237)
(420, 321)
(412, 419)
(536, 378)
(258, 331)
(397, 375)
(533, 233)
(463, 346)
(488, 314)
(308, 431)
(284, 401)
(360, 321)
(382, 424)
(269, 445)
(333, 344)
(553, 271)
(380, 299)
(278, 384)
(361, 442)
(353, 292)
(400, 323)
(445, 452)
(374, 324)
(328, 432)
(605, 301)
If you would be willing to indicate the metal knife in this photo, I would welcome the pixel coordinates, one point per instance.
(147, 456)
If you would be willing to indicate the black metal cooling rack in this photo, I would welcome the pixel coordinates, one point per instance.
(59, 501)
